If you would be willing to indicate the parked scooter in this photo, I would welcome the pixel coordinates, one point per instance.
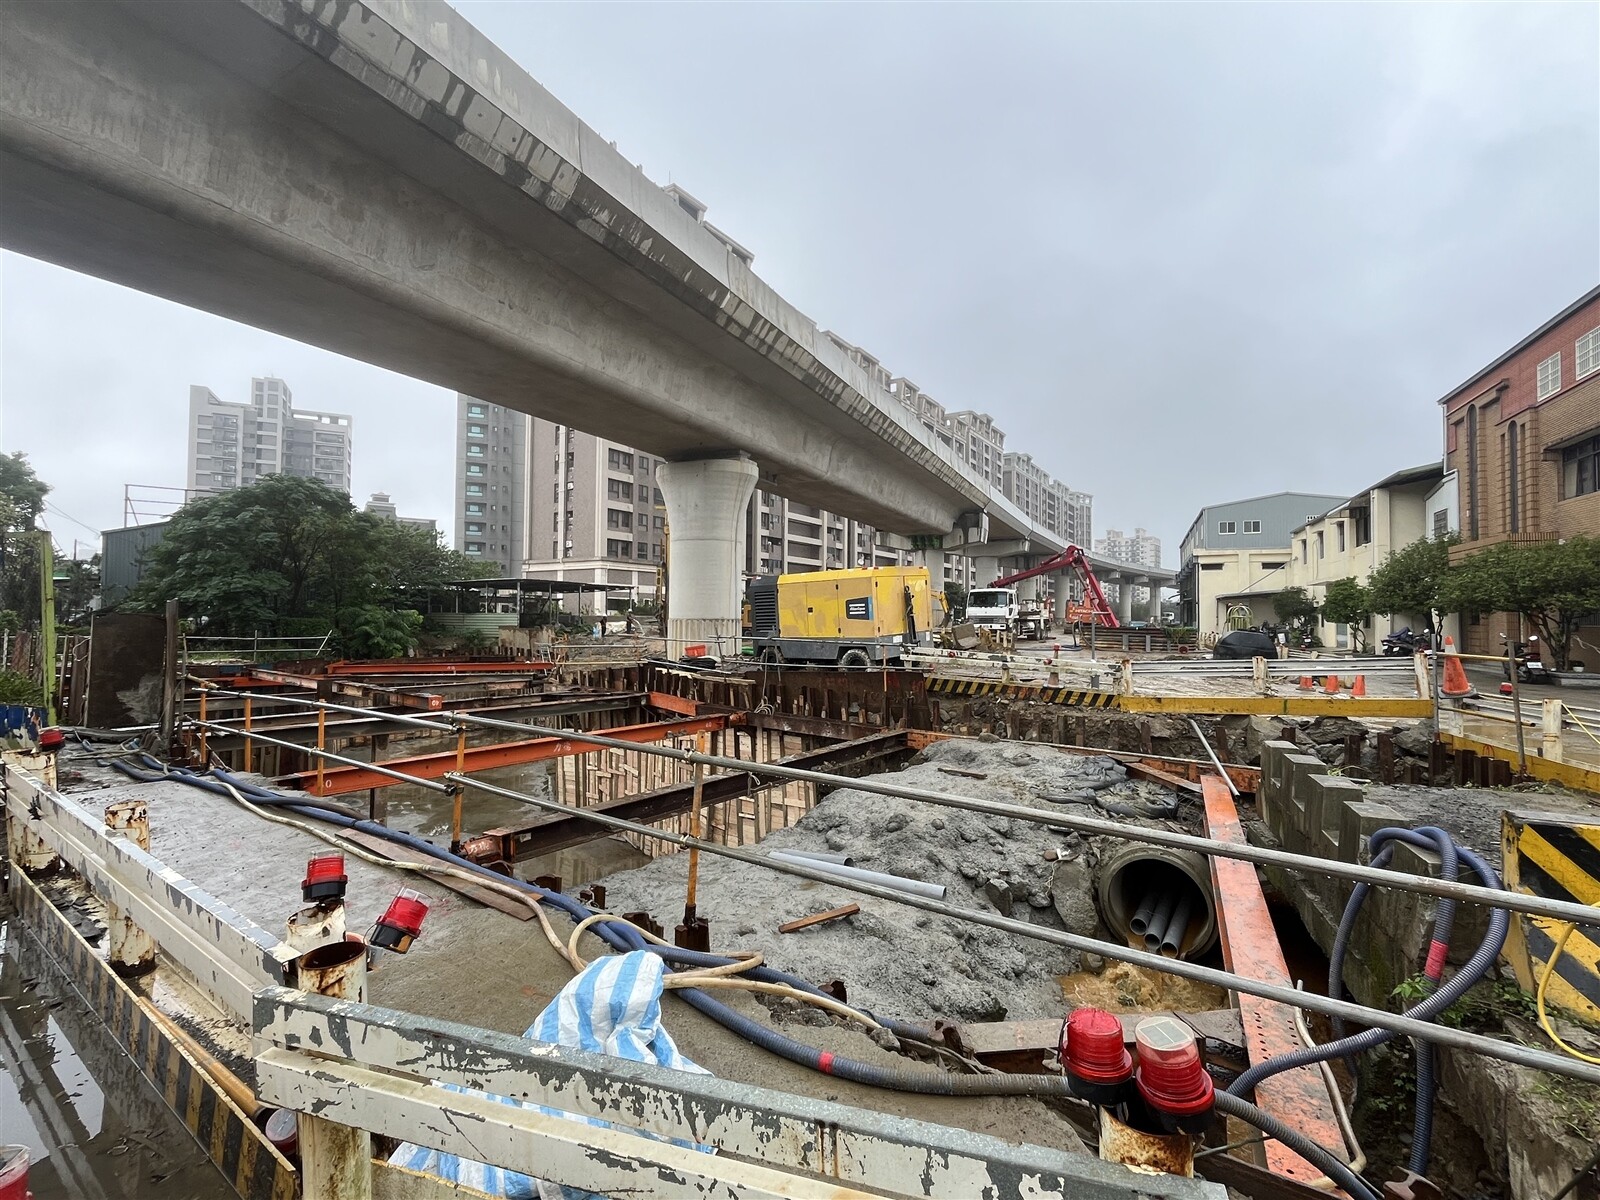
(1530, 667)
(1406, 643)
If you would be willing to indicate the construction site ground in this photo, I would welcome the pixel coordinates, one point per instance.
(482, 967)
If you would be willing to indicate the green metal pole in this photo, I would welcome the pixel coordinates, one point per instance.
(47, 624)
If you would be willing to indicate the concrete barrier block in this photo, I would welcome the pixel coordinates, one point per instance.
(1358, 820)
(1298, 769)
(1326, 796)
(1269, 799)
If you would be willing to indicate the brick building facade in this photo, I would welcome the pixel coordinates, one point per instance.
(1523, 437)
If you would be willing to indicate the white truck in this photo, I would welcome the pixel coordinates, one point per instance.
(993, 608)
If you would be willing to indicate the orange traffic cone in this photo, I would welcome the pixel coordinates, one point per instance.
(1455, 681)
(1358, 691)
(1331, 685)
(1307, 683)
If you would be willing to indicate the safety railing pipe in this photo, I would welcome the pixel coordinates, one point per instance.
(430, 784)
(1439, 1034)
(1537, 906)
(326, 706)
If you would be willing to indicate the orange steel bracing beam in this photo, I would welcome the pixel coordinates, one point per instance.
(338, 781)
(1298, 1098)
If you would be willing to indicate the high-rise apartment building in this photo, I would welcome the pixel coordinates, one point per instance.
(491, 493)
(232, 445)
(1135, 547)
(381, 506)
(594, 512)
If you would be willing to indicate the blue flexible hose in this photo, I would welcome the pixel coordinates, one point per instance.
(1482, 960)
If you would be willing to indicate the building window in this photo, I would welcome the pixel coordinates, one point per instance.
(1252, 526)
(1588, 353)
(1227, 527)
(1580, 468)
(617, 518)
(660, 499)
(474, 547)
(474, 526)
(1472, 473)
(474, 468)
(475, 489)
(618, 489)
(1339, 528)
(644, 520)
(1441, 522)
(475, 509)
(472, 431)
(660, 523)
(475, 450)
(476, 410)
(1550, 375)
(1320, 544)
(1514, 476)
(618, 549)
(1303, 550)
(619, 460)
(644, 464)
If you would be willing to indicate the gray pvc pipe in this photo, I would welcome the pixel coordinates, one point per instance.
(1140, 921)
(827, 856)
(1177, 928)
(913, 887)
(1157, 929)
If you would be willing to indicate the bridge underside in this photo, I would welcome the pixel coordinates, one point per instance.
(318, 175)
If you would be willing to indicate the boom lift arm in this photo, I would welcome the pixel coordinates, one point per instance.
(1074, 558)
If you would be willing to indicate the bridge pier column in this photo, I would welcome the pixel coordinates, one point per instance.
(1061, 590)
(1124, 599)
(706, 501)
(986, 569)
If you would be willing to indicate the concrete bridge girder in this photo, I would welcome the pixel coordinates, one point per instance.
(393, 187)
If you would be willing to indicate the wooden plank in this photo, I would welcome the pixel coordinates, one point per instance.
(819, 918)
(483, 895)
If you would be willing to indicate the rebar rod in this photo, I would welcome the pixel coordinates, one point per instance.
(1212, 755)
(1439, 1034)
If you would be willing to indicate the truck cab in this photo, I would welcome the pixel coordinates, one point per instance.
(993, 608)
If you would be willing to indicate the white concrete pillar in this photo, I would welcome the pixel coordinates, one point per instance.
(987, 570)
(1061, 583)
(131, 950)
(706, 501)
(1124, 600)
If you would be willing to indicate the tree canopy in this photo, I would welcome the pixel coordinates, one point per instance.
(22, 495)
(1347, 602)
(1297, 610)
(1411, 580)
(287, 553)
(1553, 585)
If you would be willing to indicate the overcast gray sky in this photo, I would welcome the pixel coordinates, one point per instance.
(1182, 253)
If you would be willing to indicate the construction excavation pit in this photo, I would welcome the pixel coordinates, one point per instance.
(1151, 955)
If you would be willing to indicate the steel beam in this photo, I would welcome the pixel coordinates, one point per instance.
(342, 780)
(1278, 706)
(1299, 1097)
(514, 844)
(768, 1142)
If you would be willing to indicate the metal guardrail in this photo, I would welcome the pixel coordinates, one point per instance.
(357, 1065)
(226, 954)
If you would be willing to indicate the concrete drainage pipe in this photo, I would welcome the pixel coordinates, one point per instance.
(1158, 899)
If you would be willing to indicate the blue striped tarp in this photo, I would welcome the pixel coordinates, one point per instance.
(613, 1007)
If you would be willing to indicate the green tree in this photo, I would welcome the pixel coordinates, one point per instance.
(1297, 610)
(1411, 580)
(1347, 602)
(22, 495)
(288, 554)
(1555, 586)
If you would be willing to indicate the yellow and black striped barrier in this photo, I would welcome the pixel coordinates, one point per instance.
(1287, 706)
(241, 1152)
(1040, 693)
(1557, 856)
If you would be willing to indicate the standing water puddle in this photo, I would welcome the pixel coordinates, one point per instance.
(94, 1127)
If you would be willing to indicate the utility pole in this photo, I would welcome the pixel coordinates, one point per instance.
(47, 624)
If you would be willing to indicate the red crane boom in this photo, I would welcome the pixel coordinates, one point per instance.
(1075, 558)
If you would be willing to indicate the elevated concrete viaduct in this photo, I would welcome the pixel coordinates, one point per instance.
(375, 177)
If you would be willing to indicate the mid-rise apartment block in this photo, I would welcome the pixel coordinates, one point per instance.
(1522, 439)
(1136, 547)
(381, 506)
(234, 444)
